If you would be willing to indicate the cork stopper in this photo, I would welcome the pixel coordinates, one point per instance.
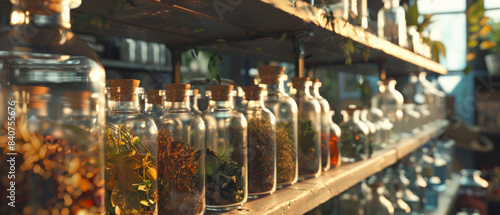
(300, 83)
(176, 92)
(195, 92)
(221, 92)
(270, 74)
(32, 95)
(317, 83)
(252, 92)
(155, 96)
(123, 89)
(77, 100)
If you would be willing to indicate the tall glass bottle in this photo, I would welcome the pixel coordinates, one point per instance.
(309, 128)
(154, 103)
(410, 121)
(131, 152)
(378, 204)
(391, 23)
(372, 130)
(261, 144)
(354, 138)
(193, 101)
(335, 144)
(226, 156)
(181, 156)
(390, 101)
(284, 109)
(325, 125)
(40, 50)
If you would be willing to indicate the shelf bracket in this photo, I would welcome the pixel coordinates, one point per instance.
(176, 63)
(298, 50)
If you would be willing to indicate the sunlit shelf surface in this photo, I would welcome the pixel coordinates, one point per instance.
(308, 194)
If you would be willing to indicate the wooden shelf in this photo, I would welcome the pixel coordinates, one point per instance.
(253, 28)
(308, 194)
(446, 199)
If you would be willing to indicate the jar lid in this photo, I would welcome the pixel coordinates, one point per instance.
(176, 92)
(31, 95)
(252, 92)
(221, 92)
(300, 83)
(155, 96)
(123, 89)
(351, 109)
(270, 74)
(77, 99)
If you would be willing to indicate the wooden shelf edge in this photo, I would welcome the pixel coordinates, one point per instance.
(308, 194)
(446, 199)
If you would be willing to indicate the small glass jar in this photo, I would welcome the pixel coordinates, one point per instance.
(378, 204)
(390, 101)
(425, 115)
(154, 104)
(131, 151)
(181, 140)
(382, 124)
(193, 101)
(372, 130)
(284, 109)
(354, 138)
(335, 136)
(325, 125)
(410, 121)
(391, 23)
(309, 128)
(226, 156)
(261, 144)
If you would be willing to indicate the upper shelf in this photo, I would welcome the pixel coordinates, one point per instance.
(306, 195)
(253, 28)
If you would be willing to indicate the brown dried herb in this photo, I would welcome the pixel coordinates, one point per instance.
(261, 155)
(179, 177)
(285, 153)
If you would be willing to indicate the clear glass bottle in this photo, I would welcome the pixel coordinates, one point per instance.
(395, 191)
(378, 204)
(193, 101)
(39, 49)
(325, 125)
(354, 138)
(382, 124)
(181, 141)
(410, 121)
(309, 129)
(261, 144)
(390, 101)
(226, 156)
(372, 130)
(284, 109)
(131, 139)
(391, 23)
(154, 103)
(335, 144)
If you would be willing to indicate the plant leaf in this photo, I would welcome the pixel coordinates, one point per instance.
(283, 37)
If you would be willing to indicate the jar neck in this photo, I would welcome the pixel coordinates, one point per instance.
(193, 101)
(276, 89)
(221, 104)
(303, 91)
(354, 117)
(255, 104)
(315, 92)
(125, 106)
(150, 107)
(178, 106)
(29, 12)
(389, 4)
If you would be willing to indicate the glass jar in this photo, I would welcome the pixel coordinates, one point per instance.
(378, 204)
(261, 144)
(154, 104)
(309, 128)
(39, 49)
(390, 101)
(226, 157)
(131, 152)
(382, 124)
(193, 101)
(395, 191)
(372, 130)
(391, 23)
(410, 121)
(354, 138)
(181, 141)
(325, 125)
(284, 109)
(141, 94)
(335, 135)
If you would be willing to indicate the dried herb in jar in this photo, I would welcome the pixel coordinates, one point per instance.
(224, 180)
(308, 154)
(130, 175)
(260, 155)
(285, 153)
(178, 177)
